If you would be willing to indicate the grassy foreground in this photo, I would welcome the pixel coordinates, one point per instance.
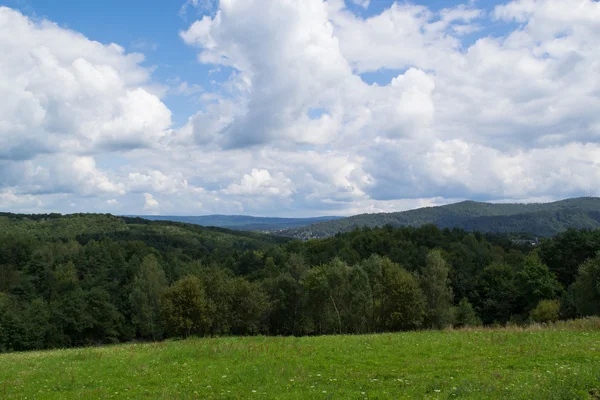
(550, 363)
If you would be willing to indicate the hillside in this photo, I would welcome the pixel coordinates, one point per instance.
(242, 222)
(86, 279)
(541, 219)
(189, 239)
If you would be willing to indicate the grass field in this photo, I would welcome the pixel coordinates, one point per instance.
(551, 363)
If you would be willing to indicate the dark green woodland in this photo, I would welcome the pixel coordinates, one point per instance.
(95, 279)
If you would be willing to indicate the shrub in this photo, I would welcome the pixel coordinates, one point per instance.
(546, 311)
(465, 315)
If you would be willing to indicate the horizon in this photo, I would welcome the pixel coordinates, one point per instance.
(295, 109)
(307, 217)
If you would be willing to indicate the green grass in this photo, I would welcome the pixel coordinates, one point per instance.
(483, 364)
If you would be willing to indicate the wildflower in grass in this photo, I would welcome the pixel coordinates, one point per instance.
(254, 391)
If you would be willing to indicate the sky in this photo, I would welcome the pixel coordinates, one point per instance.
(295, 108)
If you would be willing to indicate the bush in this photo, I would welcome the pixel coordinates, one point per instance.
(546, 311)
(465, 315)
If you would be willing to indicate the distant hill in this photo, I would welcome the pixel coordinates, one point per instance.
(542, 219)
(196, 241)
(242, 222)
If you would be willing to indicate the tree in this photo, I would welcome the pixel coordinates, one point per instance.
(36, 325)
(287, 296)
(565, 252)
(184, 308)
(105, 320)
(219, 289)
(402, 300)
(148, 287)
(546, 311)
(324, 287)
(438, 292)
(586, 289)
(250, 307)
(568, 308)
(11, 324)
(496, 293)
(535, 282)
(465, 315)
(374, 268)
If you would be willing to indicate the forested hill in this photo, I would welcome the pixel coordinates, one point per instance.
(191, 241)
(242, 222)
(541, 219)
(91, 279)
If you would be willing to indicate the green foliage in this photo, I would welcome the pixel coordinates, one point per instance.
(403, 303)
(567, 251)
(249, 309)
(97, 279)
(535, 219)
(497, 294)
(220, 295)
(535, 282)
(437, 290)
(546, 311)
(146, 292)
(586, 289)
(465, 314)
(184, 308)
(242, 222)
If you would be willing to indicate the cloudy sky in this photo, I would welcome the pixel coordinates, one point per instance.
(295, 107)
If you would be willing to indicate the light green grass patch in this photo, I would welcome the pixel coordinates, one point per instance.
(484, 364)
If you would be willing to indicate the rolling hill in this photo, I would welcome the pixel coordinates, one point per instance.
(242, 222)
(541, 219)
(196, 241)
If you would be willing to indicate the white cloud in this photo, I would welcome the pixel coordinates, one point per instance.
(10, 200)
(260, 182)
(63, 92)
(295, 129)
(157, 182)
(150, 203)
(288, 62)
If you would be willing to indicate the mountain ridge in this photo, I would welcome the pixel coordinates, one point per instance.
(541, 219)
(241, 222)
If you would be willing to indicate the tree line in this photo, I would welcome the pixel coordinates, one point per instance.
(154, 284)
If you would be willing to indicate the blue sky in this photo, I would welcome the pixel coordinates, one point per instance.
(295, 108)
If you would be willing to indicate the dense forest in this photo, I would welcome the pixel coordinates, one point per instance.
(94, 279)
(536, 219)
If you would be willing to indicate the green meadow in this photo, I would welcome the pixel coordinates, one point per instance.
(535, 363)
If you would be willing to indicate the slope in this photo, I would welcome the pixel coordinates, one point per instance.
(242, 222)
(542, 219)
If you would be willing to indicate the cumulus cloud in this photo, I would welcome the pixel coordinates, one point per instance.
(260, 182)
(295, 128)
(10, 200)
(150, 203)
(157, 182)
(63, 92)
